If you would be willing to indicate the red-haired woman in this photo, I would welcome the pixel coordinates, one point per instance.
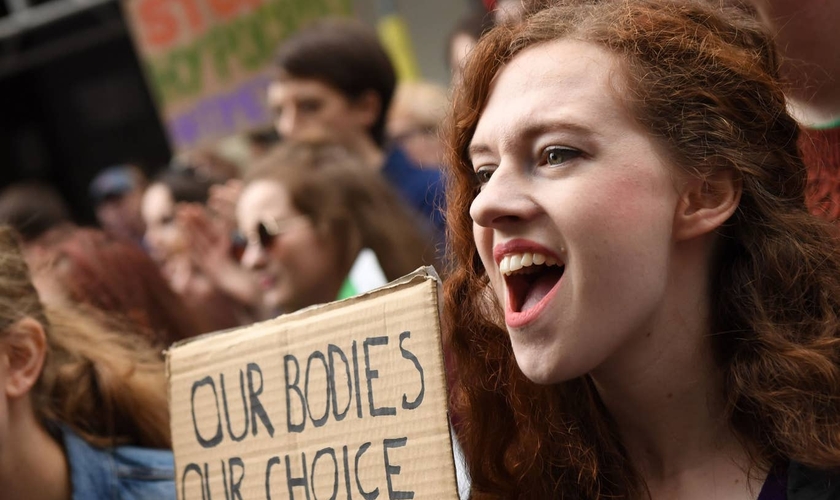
(641, 305)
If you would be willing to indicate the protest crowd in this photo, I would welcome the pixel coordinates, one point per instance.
(632, 207)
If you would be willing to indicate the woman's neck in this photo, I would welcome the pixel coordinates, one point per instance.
(665, 394)
(33, 465)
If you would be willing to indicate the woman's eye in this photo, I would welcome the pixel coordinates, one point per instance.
(310, 106)
(557, 155)
(483, 175)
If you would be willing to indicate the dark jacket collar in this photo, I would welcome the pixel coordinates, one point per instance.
(805, 483)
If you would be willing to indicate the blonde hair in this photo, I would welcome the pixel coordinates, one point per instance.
(424, 103)
(107, 386)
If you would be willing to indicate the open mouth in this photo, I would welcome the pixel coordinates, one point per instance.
(530, 277)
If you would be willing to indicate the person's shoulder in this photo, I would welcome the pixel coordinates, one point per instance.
(806, 483)
(396, 160)
(130, 472)
(143, 473)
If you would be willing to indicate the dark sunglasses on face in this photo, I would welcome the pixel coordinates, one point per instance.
(267, 233)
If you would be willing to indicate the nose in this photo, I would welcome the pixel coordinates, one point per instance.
(254, 256)
(288, 122)
(504, 199)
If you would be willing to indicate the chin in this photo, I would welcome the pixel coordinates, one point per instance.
(542, 368)
(541, 373)
(273, 302)
(540, 378)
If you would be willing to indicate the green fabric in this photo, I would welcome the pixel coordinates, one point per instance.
(347, 290)
(826, 126)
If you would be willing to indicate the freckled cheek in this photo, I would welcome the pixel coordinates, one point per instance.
(624, 236)
(627, 206)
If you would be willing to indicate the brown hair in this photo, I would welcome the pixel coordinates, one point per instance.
(475, 23)
(349, 204)
(186, 184)
(108, 387)
(33, 208)
(118, 278)
(345, 55)
(703, 82)
(526, 8)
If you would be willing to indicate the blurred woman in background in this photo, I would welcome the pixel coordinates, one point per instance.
(164, 238)
(83, 414)
(192, 248)
(307, 212)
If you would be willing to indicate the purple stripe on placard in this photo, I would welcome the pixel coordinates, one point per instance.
(222, 115)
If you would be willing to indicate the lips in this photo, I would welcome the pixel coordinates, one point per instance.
(532, 275)
(266, 281)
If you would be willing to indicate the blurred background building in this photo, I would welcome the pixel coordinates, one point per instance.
(74, 99)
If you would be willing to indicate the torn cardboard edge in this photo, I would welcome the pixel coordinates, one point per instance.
(427, 321)
(420, 274)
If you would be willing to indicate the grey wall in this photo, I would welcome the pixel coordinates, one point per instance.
(429, 23)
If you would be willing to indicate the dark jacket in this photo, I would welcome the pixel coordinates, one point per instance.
(810, 484)
(422, 189)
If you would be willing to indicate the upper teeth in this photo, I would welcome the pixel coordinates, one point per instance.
(515, 262)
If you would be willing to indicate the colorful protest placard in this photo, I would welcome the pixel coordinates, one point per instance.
(208, 62)
(346, 400)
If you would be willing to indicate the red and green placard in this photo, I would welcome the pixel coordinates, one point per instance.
(208, 61)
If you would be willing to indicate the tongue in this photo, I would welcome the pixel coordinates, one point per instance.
(539, 289)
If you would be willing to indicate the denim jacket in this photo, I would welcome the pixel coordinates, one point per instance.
(120, 473)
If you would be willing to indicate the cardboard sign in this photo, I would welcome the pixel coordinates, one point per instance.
(209, 62)
(341, 401)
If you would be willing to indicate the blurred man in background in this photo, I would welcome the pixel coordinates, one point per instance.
(335, 81)
(117, 194)
(415, 121)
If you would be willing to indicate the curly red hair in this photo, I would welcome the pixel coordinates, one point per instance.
(118, 278)
(703, 82)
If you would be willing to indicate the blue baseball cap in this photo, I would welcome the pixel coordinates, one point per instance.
(113, 182)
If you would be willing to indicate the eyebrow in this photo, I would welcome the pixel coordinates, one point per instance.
(477, 149)
(534, 130)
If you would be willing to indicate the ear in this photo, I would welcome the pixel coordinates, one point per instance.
(705, 204)
(25, 349)
(367, 107)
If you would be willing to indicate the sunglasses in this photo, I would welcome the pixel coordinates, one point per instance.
(266, 234)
